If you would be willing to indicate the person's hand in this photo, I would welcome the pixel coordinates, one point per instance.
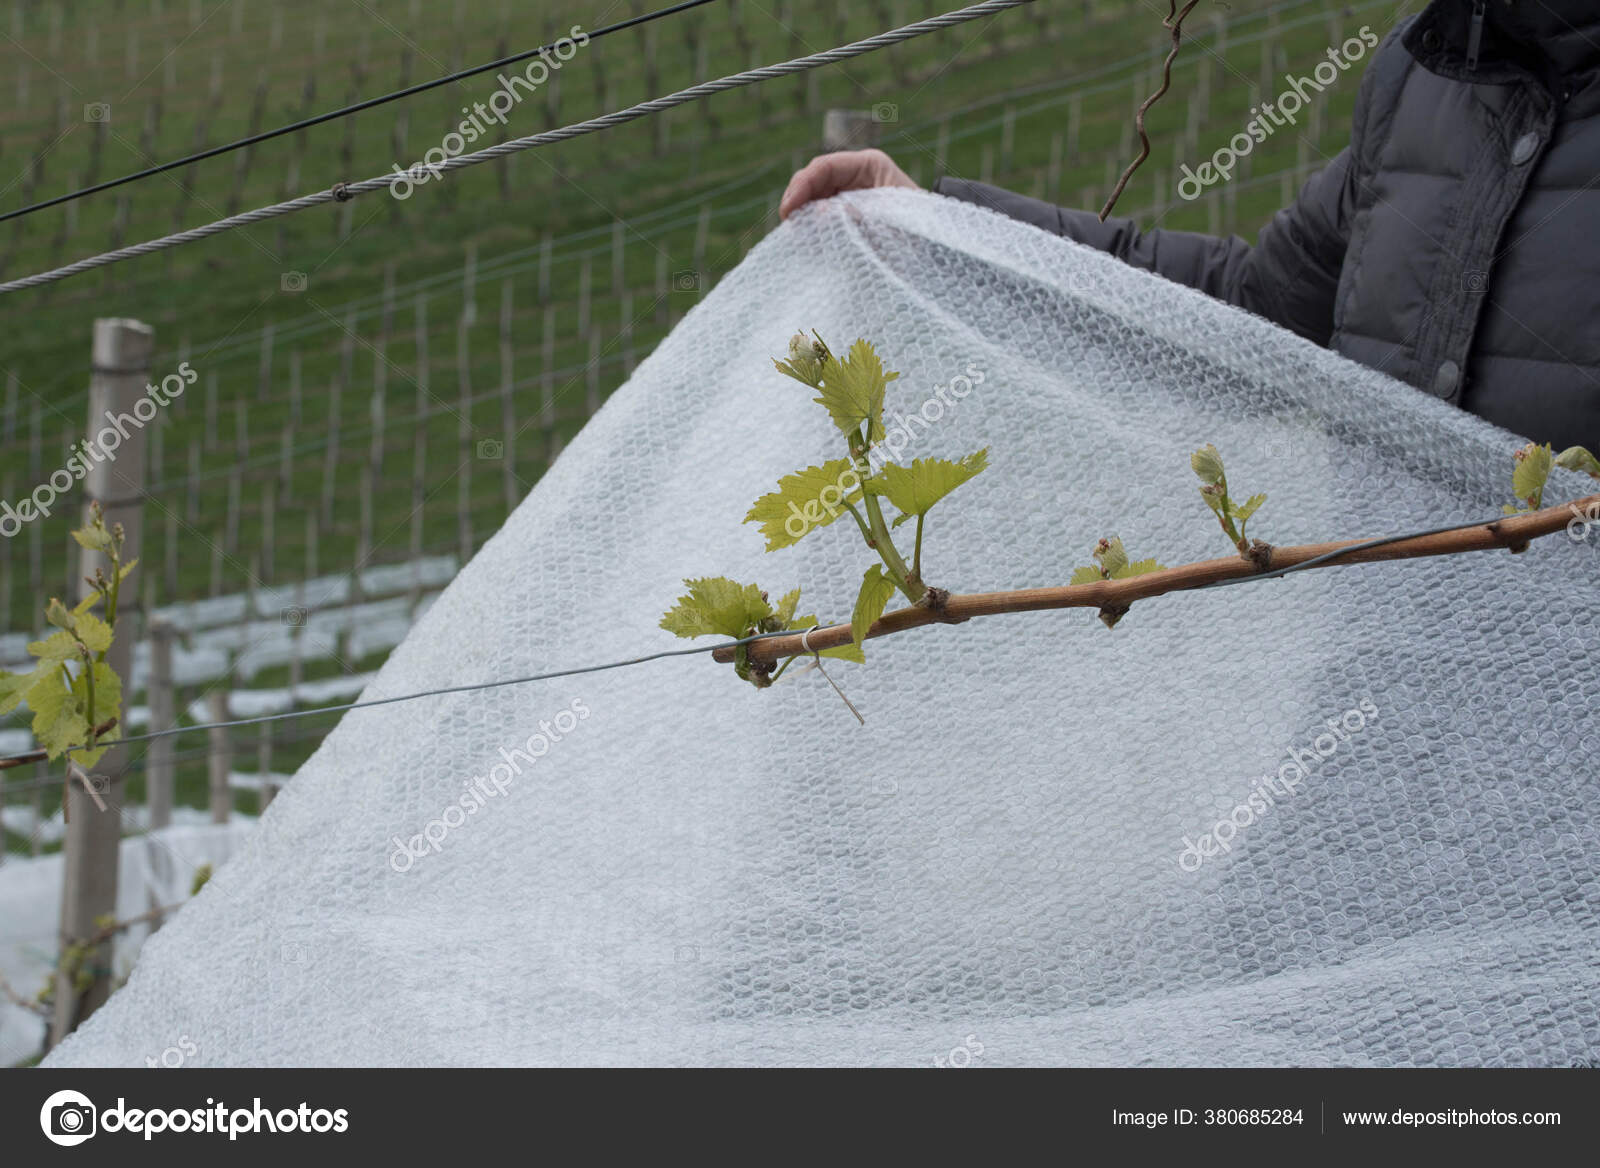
(847, 170)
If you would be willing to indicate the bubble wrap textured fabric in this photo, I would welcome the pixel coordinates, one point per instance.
(1021, 858)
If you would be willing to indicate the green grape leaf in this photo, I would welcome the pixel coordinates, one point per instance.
(58, 719)
(916, 488)
(784, 613)
(1141, 568)
(805, 501)
(61, 715)
(1112, 560)
(852, 390)
(48, 690)
(57, 647)
(876, 588)
(87, 757)
(93, 632)
(107, 692)
(95, 537)
(12, 687)
(60, 727)
(1251, 506)
(1578, 459)
(846, 653)
(1207, 463)
(805, 360)
(1533, 471)
(58, 614)
(806, 370)
(1111, 555)
(716, 605)
(122, 572)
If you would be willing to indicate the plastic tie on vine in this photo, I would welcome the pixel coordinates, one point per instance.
(816, 663)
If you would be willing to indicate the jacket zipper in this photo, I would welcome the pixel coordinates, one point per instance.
(1475, 36)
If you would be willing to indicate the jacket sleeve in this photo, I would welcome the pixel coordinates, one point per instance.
(1290, 276)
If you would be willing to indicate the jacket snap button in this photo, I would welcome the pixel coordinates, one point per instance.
(1430, 40)
(1524, 149)
(1444, 381)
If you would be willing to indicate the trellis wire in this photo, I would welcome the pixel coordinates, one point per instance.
(344, 111)
(345, 192)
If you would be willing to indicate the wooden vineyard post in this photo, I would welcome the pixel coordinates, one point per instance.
(120, 367)
(508, 412)
(268, 789)
(219, 758)
(158, 771)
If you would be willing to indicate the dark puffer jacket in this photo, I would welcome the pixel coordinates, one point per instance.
(1455, 244)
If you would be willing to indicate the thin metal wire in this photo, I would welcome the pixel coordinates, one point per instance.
(1338, 553)
(331, 115)
(454, 689)
(577, 129)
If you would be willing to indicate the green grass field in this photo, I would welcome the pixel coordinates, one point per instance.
(396, 388)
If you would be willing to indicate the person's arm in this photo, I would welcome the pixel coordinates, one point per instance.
(1290, 276)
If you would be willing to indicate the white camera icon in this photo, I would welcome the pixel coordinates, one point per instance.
(68, 1118)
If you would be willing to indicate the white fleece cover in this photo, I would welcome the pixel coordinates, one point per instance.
(993, 870)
